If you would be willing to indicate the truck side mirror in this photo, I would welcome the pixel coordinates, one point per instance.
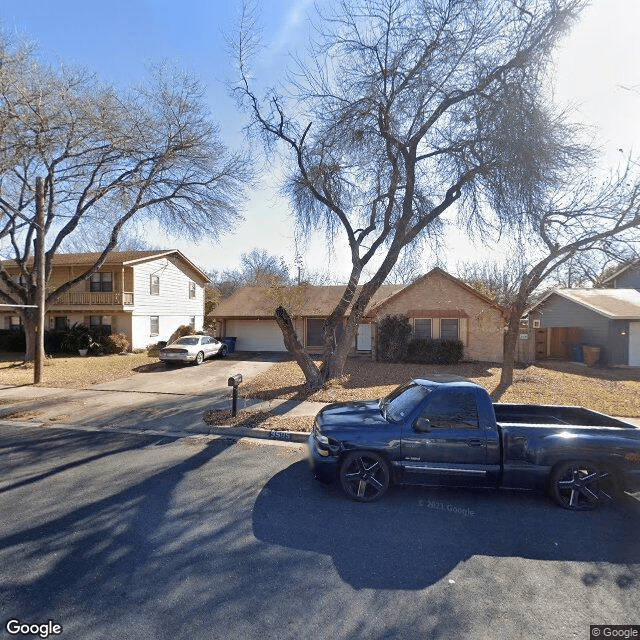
(422, 425)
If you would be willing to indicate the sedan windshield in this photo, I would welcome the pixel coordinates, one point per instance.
(401, 402)
(187, 341)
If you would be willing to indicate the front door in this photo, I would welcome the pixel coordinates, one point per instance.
(363, 338)
(634, 344)
(445, 444)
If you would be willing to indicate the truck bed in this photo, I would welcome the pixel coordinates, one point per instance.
(551, 414)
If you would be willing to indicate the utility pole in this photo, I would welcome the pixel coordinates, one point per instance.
(40, 282)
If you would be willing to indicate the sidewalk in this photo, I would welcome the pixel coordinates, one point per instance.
(166, 413)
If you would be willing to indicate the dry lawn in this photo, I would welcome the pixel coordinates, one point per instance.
(612, 391)
(259, 420)
(75, 372)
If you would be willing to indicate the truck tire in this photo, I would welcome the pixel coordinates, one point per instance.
(364, 476)
(581, 486)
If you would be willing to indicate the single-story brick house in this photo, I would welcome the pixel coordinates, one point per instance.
(438, 305)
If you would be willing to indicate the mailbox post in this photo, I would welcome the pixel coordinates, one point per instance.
(234, 381)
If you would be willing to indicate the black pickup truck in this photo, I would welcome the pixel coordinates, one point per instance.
(434, 432)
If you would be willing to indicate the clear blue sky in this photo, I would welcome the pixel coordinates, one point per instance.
(598, 73)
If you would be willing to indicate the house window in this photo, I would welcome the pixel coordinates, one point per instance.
(449, 329)
(422, 328)
(101, 282)
(192, 322)
(154, 323)
(154, 285)
(14, 323)
(61, 323)
(314, 332)
(192, 289)
(101, 323)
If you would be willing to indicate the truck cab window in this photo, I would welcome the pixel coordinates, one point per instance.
(452, 410)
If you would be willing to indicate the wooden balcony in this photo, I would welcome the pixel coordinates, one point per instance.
(95, 299)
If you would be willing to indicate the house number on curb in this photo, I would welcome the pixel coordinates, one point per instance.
(279, 435)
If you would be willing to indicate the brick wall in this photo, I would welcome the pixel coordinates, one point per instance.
(438, 296)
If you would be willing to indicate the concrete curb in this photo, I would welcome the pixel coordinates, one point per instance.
(274, 436)
(262, 434)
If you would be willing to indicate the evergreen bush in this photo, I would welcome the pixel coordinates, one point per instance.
(393, 335)
(435, 351)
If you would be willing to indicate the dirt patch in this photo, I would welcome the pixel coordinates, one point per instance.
(76, 372)
(259, 420)
(22, 415)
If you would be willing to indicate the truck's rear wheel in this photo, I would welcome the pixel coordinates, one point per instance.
(581, 486)
(364, 476)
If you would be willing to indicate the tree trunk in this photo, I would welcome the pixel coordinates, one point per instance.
(335, 362)
(313, 375)
(30, 323)
(509, 351)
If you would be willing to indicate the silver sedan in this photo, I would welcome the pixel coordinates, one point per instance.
(193, 349)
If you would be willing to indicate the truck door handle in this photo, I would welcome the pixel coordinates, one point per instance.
(475, 442)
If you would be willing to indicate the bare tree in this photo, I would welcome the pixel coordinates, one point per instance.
(578, 226)
(105, 157)
(408, 109)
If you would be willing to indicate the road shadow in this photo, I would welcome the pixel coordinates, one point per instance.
(119, 542)
(416, 536)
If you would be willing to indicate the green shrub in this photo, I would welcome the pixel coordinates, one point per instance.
(435, 351)
(13, 341)
(53, 341)
(393, 336)
(117, 343)
(76, 337)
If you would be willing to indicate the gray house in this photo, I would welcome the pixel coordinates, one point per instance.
(627, 277)
(608, 320)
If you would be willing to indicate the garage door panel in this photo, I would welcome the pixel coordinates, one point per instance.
(256, 335)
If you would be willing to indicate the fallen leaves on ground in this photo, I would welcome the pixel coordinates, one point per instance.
(76, 372)
(259, 420)
(611, 391)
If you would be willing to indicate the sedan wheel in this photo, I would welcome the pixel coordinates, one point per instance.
(200, 358)
(364, 476)
(223, 351)
(581, 486)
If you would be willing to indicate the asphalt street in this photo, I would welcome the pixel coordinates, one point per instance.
(114, 535)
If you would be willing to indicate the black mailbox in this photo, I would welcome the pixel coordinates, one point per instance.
(234, 381)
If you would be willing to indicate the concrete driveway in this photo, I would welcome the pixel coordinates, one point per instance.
(161, 398)
(191, 380)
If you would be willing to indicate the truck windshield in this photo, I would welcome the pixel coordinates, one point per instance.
(401, 402)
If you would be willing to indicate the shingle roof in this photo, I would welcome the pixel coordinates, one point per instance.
(115, 257)
(617, 304)
(307, 300)
(118, 258)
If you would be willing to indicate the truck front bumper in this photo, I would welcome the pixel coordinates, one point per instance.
(324, 468)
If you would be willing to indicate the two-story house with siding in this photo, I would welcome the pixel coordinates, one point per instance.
(143, 294)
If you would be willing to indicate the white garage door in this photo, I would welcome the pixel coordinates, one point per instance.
(256, 335)
(634, 344)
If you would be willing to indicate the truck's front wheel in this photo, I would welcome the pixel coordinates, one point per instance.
(364, 476)
(581, 486)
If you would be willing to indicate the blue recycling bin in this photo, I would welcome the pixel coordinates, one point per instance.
(576, 353)
(230, 342)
